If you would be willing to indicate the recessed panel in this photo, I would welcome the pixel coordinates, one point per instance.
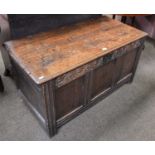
(70, 97)
(102, 78)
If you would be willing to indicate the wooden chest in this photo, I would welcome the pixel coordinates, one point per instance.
(62, 73)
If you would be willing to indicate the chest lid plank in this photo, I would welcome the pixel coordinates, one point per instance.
(50, 54)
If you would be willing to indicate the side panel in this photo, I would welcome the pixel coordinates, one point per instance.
(32, 92)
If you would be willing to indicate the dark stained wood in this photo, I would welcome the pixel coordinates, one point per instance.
(93, 101)
(48, 90)
(65, 104)
(108, 75)
(30, 89)
(62, 50)
(139, 51)
(127, 63)
(102, 78)
(64, 72)
(1, 85)
(28, 24)
(78, 72)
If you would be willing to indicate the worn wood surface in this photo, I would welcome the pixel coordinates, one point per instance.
(51, 54)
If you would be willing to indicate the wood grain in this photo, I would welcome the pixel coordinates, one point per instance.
(48, 55)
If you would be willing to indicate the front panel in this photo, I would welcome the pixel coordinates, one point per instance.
(69, 98)
(102, 78)
(107, 76)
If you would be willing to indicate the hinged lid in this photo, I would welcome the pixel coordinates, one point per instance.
(48, 55)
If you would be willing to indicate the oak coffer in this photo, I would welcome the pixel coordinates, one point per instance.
(63, 72)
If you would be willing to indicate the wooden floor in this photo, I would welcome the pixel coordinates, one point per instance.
(70, 47)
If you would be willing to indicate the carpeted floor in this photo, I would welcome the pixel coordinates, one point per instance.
(127, 114)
